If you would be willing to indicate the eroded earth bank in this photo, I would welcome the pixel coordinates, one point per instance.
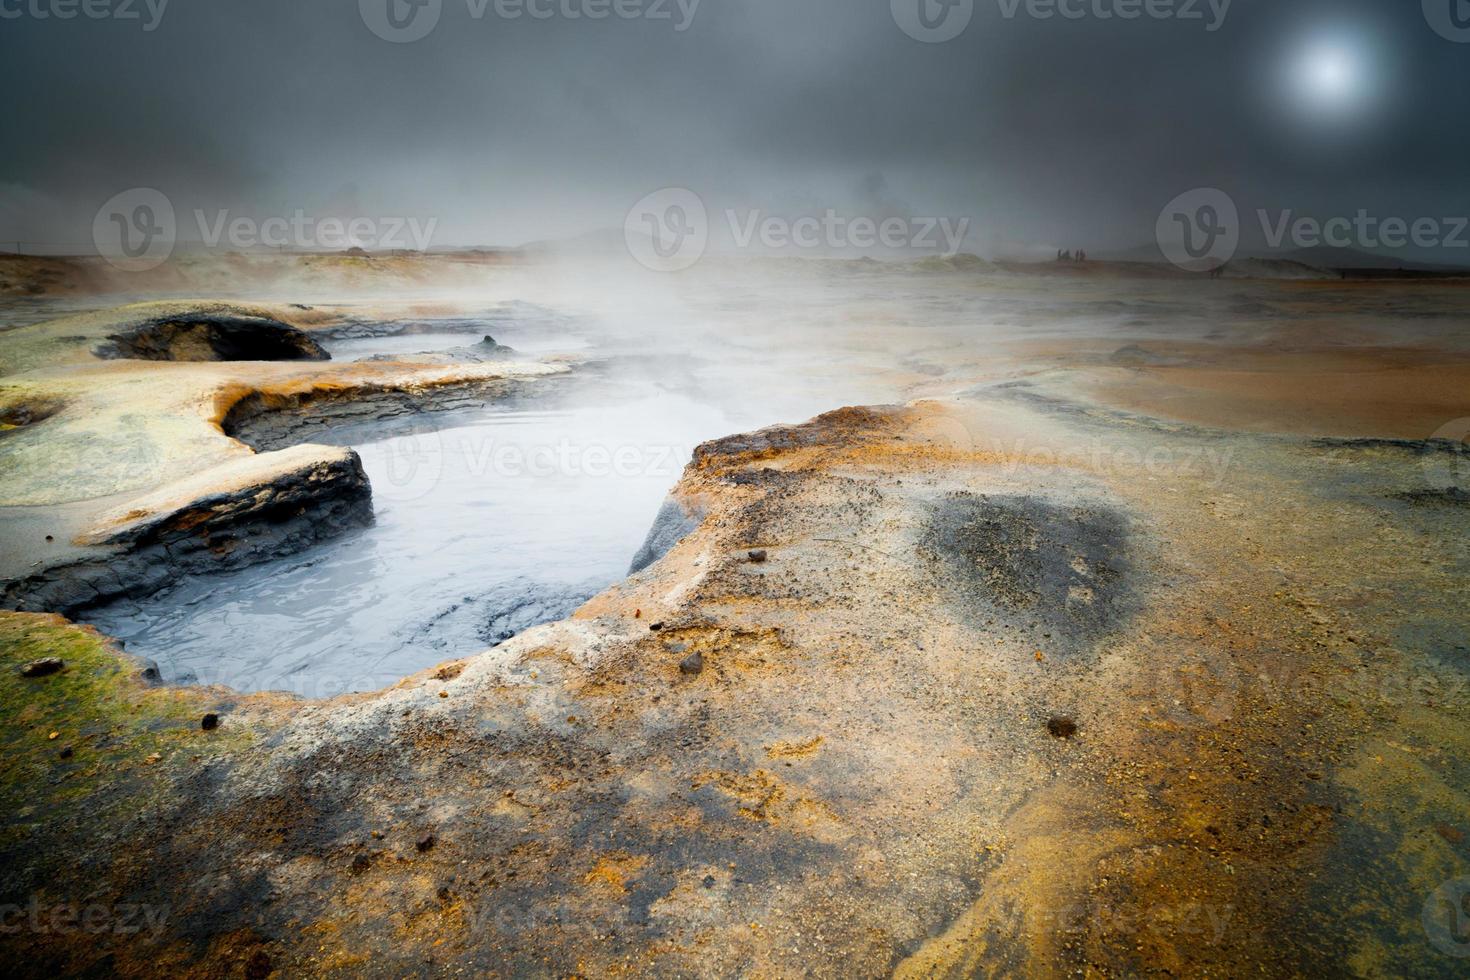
(1089, 652)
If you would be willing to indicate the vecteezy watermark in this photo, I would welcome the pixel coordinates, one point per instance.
(1446, 918)
(1363, 230)
(138, 230)
(148, 13)
(1196, 691)
(300, 230)
(1210, 13)
(406, 21)
(1449, 18)
(669, 231)
(309, 685)
(92, 918)
(1209, 923)
(1201, 688)
(1206, 465)
(135, 230)
(1199, 230)
(832, 230)
(407, 469)
(1447, 463)
(401, 21)
(937, 21)
(933, 21)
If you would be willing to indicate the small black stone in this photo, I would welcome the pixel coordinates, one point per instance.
(758, 557)
(426, 843)
(1061, 726)
(692, 664)
(209, 722)
(42, 668)
(66, 753)
(258, 967)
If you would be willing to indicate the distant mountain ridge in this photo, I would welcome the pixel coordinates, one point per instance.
(1323, 257)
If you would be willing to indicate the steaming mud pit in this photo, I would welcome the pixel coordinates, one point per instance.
(1021, 675)
(482, 529)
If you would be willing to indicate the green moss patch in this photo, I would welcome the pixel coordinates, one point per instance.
(95, 733)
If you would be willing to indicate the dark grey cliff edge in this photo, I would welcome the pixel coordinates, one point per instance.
(267, 423)
(211, 337)
(226, 531)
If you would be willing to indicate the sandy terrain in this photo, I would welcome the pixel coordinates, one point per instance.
(1127, 637)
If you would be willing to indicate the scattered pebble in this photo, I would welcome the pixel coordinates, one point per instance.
(425, 843)
(42, 668)
(1061, 726)
(209, 722)
(692, 664)
(259, 966)
(758, 557)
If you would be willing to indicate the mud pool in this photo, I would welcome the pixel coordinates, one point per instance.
(482, 530)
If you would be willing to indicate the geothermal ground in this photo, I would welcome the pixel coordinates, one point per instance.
(1037, 624)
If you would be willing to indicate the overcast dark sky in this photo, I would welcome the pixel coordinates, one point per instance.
(1039, 130)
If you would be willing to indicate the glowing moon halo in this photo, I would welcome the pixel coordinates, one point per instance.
(1331, 78)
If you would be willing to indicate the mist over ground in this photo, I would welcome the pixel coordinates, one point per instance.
(504, 127)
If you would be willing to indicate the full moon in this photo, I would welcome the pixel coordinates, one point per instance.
(1330, 73)
(1330, 77)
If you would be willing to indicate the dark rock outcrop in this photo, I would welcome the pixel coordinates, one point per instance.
(212, 337)
(228, 530)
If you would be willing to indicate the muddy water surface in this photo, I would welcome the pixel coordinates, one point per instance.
(482, 530)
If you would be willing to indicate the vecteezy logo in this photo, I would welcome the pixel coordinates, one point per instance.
(135, 230)
(1199, 230)
(668, 230)
(1447, 918)
(1449, 18)
(400, 21)
(404, 470)
(933, 21)
(1194, 693)
(1447, 465)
